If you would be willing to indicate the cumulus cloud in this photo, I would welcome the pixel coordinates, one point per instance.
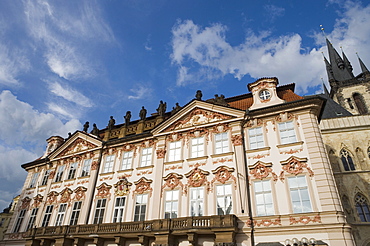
(203, 53)
(70, 94)
(139, 92)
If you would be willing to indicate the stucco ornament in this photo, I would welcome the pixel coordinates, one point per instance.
(103, 190)
(122, 187)
(197, 177)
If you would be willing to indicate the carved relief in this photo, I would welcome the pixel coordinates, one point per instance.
(65, 195)
(172, 180)
(295, 165)
(197, 177)
(51, 197)
(284, 116)
(264, 222)
(122, 187)
(143, 185)
(196, 133)
(26, 203)
(305, 219)
(222, 160)
(80, 193)
(147, 143)
(129, 147)
(94, 165)
(221, 127)
(253, 122)
(103, 190)
(77, 146)
(223, 174)
(173, 137)
(37, 201)
(261, 170)
(236, 140)
(160, 153)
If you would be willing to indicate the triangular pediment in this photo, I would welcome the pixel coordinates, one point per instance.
(78, 143)
(198, 113)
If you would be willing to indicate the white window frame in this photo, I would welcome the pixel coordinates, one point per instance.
(76, 209)
(146, 157)
(108, 164)
(99, 211)
(86, 168)
(34, 178)
(19, 221)
(119, 209)
(197, 147)
(47, 215)
(141, 205)
(256, 138)
(171, 204)
(196, 201)
(287, 132)
(224, 199)
(264, 201)
(59, 174)
(72, 170)
(221, 142)
(174, 151)
(60, 215)
(299, 194)
(127, 160)
(32, 218)
(45, 177)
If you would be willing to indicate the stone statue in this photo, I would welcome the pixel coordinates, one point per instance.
(111, 123)
(127, 118)
(162, 108)
(142, 113)
(86, 126)
(176, 108)
(199, 95)
(95, 130)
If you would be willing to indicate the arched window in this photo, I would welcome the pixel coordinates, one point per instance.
(368, 152)
(361, 107)
(362, 208)
(347, 160)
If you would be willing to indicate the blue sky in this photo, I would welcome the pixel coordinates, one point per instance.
(66, 62)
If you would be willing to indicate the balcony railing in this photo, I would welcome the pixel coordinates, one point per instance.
(204, 223)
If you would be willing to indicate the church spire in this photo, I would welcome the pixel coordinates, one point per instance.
(341, 69)
(347, 63)
(362, 65)
(329, 70)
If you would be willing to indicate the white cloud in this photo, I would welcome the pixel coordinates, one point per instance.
(140, 92)
(203, 53)
(70, 94)
(273, 11)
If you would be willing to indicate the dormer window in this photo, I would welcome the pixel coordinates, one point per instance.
(264, 95)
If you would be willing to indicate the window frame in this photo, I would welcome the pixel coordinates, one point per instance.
(119, 209)
(225, 198)
(198, 201)
(362, 208)
(254, 136)
(59, 174)
(266, 193)
(174, 151)
(45, 177)
(61, 213)
(47, 215)
(224, 141)
(99, 211)
(140, 207)
(197, 153)
(85, 171)
(171, 204)
(33, 182)
(289, 130)
(108, 166)
(19, 221)
(72, 170)
(147, 161)
(347, 160)
(76, 209)
(32, 219)
(300, 190)
(127, 158)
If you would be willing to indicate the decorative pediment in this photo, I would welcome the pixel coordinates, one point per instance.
(103, 190)
(37, 200)
(295, 165)
(261, 170)
(25, 203)
(80, 193)
(65, 195)
(172, 180)
(78, 145)
(143, 185)
(222, 174)
(52, 197)
(197, 177)
(122, 187)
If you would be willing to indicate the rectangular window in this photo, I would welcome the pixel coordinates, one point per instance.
(221, 143)
(224, 199)
(256, 138)
(263, 196)
(99, 211)
(197, 147)
(47, 215)
(86, 168)
(32, 219)
(108, 165)
(127, 160)
(140, 207)
(287, 132)
(34, 180)
(299, 194)
(59, 175)
(196, 201)
(60, 215)
(46, 177)
(171, 204)
(119, 209)
(174, 153)
(146, 157)
(72, 170)
(75, 213)
(20, 218)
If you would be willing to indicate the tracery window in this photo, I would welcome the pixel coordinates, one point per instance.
(362, 207)
(347, 161)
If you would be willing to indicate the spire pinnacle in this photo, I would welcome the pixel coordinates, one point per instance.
(362, 65)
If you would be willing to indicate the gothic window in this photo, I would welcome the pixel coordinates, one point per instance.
(362, 207)
(361, 107)
(347, 161)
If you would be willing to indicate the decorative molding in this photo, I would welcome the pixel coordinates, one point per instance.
(291, 151)
(77, 146)
(264, 222)
(94, 165)
(172, 180)
(173, 167)
(220, 128)
(122, 187)
(258, 156)
(51, 198)
(161, 153)
(26, 203)
(173, 137)
(305, 219)
(65, 195)
(80, 193)
(148, 143)
(143, 185)
(197, 177)
(261, 170)
(196, 133)
(223, 160)
(37, 200)
(198, 164)
(236, 140)
(294, 165)
(253, 122)
(284, 116)
(223, 174)
(103, 190)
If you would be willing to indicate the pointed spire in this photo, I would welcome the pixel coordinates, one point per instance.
(346, 62)
(362, 65)
(329, 69)
(326, 92)
(339, 70)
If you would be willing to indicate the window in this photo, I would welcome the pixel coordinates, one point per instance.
(119, 209)
(75, 213)
(174, 153)
(127, 160)
(86, 168)
(362, 208)
(59, 175)
(263, 196)
(347, 161)
(19, 220)
(197, 147)
(196, 201)
(146, 157)
(224, 199)
(299, 194)
(60, 215)
(72, 170)
(99, 211)
(108, 165)
(368, 152)
(287, 132)
(47, 215)
(222, 143)
(32, 219)
(171, 204)
(46, 177)
(34, 180)
(140, 207)
(256, 138)
(361, 106)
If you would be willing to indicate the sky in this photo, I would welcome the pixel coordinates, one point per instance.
(65, 62)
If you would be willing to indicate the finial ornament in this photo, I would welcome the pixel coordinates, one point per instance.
(323, 30)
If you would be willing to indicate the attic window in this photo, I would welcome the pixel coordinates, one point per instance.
(338, 113)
